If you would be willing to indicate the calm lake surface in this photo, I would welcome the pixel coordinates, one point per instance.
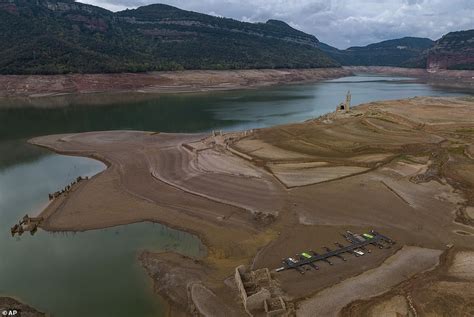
(96, 273)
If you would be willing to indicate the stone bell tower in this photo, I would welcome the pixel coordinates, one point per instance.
(348, 101)
(345, 106)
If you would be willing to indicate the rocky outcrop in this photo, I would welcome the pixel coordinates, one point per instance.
(454, 50)
(450, 60)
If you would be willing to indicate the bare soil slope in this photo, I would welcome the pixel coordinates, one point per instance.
(157, 82)
(401, 167)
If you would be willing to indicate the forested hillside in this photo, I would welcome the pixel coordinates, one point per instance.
(51, 37)
(404, 52)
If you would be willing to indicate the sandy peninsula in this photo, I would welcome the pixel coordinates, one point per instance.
(403, 167)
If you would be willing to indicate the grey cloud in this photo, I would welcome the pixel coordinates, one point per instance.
(413, 2)
(339, 23)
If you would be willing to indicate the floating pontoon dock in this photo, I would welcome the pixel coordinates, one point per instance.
(358, 242)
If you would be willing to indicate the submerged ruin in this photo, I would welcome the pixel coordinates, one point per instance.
(26, 224)
(260, 292)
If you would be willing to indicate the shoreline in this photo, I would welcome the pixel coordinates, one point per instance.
(443, 78)
(282, 221)
(60, 90)
(31, 87)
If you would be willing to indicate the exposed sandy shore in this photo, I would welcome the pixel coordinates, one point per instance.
(29, 89)
(440, 77)
(445, 291)
(255, 197)
(404, 264)
(31, 86)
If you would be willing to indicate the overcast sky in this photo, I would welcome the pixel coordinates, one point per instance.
(341, 23)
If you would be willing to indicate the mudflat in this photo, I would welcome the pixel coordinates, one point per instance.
(400, 167)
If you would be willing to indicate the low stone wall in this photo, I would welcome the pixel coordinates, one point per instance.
(279, 310)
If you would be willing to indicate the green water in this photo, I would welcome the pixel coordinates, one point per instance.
(93, 273)
(96, 273)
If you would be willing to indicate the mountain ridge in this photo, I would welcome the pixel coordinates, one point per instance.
(65, 36)
(402, 52)
(454, 50)
(55, 37)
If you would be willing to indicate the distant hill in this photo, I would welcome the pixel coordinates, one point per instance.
(454, 50)
(51, 36)
(403, 52)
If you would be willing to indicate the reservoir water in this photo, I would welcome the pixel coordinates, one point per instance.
(96, 273)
